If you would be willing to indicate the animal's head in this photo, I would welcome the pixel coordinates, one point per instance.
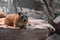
(23, 18)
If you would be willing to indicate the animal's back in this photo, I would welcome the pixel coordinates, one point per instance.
(11, 18)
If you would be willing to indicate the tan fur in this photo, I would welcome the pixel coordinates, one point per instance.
(2, 14)
(12, 20)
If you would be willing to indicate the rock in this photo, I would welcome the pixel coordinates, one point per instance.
(42, 24)
(57, 20)
(54, 37)
(21, 34)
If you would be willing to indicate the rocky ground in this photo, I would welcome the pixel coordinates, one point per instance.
(37, 31)
(41, 30)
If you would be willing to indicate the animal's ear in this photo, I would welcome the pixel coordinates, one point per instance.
(19, 13)
(25, 12)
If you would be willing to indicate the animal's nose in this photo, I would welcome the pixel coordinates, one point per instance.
(25, 20)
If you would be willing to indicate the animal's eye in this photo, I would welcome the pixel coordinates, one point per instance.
(26, 16)
(21, 17)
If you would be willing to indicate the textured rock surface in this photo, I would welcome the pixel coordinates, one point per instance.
(10, 34)
(39, 32)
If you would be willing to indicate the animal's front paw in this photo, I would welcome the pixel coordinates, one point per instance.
(15, 27)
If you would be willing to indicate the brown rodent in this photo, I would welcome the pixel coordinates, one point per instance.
(2, 14)
(16, 20)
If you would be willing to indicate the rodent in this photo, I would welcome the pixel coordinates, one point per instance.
(16, 20)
